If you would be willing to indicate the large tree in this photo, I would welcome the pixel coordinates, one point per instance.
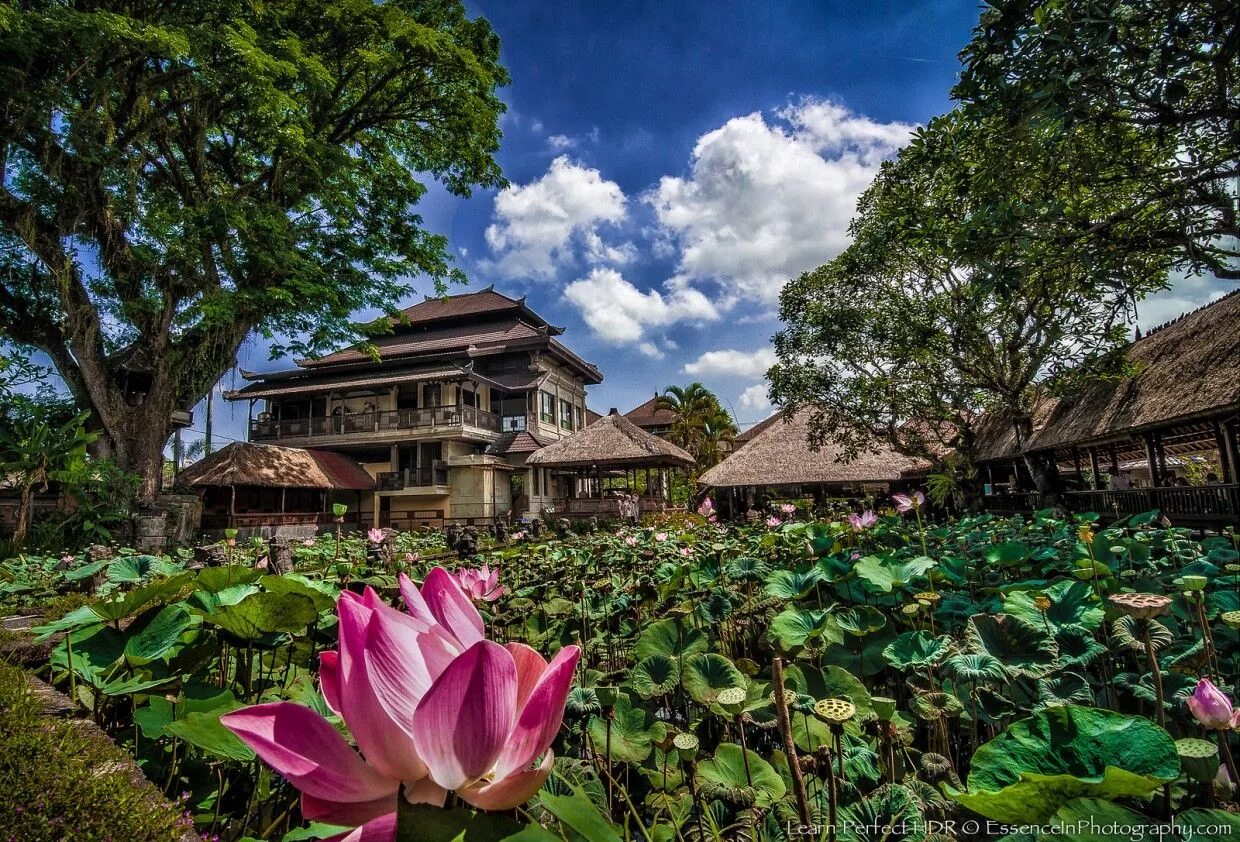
(966, 289)
(178, 176)
(1160, 73)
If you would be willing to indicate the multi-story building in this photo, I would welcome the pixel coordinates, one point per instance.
(443, 411)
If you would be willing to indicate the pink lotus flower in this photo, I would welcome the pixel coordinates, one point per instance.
(660, 537)
(481, 583)
(788, 509)
(518, 536)
(686, 552)
(1212, 708)
(308, 542)
(907, 503)
(707, 509)
(410, 558)
(630, 540)
(376, 536)
(773, 521)
(862, 521)
(432, 705)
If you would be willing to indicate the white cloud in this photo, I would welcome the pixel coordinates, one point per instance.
(754, 400)
(650, 349)
(1187, 292)
(561, 141)
(767, 200)
(751, 365)
(618, 312)
(545, 223)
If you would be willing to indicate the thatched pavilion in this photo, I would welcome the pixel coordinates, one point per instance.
(604, 452)
(778, 462)
(262, 488)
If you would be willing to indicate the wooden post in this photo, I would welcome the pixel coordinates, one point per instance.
(1226, 452)
(1162, 461)
(1076, 464)
(282, 490)
(232, 505)
(1151, 456)
(1093, 467)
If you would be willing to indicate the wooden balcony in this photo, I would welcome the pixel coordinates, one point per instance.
(1184, 505)
(389, 425)
(428, 479)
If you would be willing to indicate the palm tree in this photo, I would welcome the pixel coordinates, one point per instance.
(700, 425)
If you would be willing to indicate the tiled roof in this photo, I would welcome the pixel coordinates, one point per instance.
(436, 340)
(383, 376)
(648, 415)
(515, 442)
(443, 308)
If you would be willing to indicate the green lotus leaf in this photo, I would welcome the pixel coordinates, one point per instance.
(672, 638)
(216, 579)
(860, 620)
(1024, 649)
(157, 638)
(1042, 762)
(1098, 820)
(131, 569)
(889, 814)
(1008, 553)
(794, 627)
(204, 730)
(321, 593)
(705, 675)
(1077, 646)
(1065, 689)
(657, 675)
(724, 776)
(792, 584)
(1208, 825)
(917, 649)
(265, 613)
(886, 573)
(1072, 603)
(633, 732)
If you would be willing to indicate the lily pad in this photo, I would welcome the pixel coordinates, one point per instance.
(724, 776)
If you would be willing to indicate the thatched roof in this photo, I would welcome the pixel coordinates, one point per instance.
(611, 441)
(1187, 370)
(780, 455)
(753, 432)
(269, 466)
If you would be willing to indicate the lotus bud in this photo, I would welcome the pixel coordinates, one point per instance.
(1085, 532)
(1212, 708)
(1198, 759)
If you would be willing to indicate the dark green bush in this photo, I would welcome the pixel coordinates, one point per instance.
(59, 781)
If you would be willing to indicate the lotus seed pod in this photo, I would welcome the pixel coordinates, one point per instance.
(686, 745)
(1198, 758)
(1141, 606)
(1192, 583)
(1231, 619)
(790, 697)
(910, 610)
(928, 597)
(732, 699)
(835, 711)
(607, 696)
(884, 708)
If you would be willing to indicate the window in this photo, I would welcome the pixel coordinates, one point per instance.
(566, 415)
(546, 409)
(579, 422)
(430, 394)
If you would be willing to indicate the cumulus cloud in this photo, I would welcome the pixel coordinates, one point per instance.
(561, 141)
(554, 220)
(618, 312)
(755, 401)
(751, 365)
(768, 199)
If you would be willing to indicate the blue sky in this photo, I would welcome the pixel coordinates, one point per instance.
(672, 164)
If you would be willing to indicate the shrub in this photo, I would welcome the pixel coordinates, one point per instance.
(61, 781)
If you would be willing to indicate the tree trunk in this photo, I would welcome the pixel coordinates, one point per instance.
(21, 528)
(1042, 466)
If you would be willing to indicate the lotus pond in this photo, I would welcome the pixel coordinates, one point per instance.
(852, 679)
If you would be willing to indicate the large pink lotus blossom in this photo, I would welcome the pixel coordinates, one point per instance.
(707, 509)
(773, 521)
(862, 521)
(788, 509)
(376, 536)
(907, 502)
(660, 537)
(1212, 708)
(431, 704)
(630, 540)
(481, 583)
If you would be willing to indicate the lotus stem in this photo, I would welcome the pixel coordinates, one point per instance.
(744, 752)
(1153, 663)
(790, 748)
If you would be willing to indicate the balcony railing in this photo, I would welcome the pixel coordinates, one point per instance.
(376, 422)
(1187, 505)
(436, 474)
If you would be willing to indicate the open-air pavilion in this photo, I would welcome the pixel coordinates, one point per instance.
(262, 489)
(1163, 438)
(778, 463)
(610, 462)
